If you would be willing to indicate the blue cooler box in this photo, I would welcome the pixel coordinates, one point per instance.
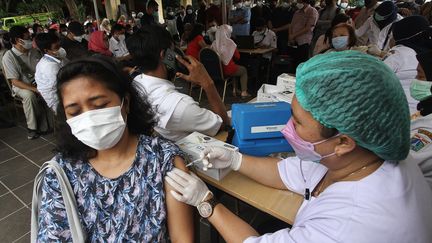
(258, 125)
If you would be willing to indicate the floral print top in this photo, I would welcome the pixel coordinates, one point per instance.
(130, 208)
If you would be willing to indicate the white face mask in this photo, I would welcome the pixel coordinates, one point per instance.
(121, 37)
(247, 3)
(189, 11)
(64, 33)
(133, 15)
(99, 129)
(284, 5)
(300, 5)
(239, 5)
(27, 44)
(61, 53)
(344, 5)
(78, 38)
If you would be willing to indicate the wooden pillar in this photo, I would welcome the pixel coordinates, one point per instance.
(111, 8)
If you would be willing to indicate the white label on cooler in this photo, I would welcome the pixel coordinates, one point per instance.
(261, 129)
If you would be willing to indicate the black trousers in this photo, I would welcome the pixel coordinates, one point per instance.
(300, 54)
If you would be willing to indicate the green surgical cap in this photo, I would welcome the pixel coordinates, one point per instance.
(358, 95)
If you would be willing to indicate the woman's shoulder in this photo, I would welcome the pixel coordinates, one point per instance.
(157, 144)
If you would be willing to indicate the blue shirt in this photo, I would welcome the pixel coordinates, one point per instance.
(241, 29)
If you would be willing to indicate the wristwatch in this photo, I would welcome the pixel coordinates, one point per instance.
(205, 208)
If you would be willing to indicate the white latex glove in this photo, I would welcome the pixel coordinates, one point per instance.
(189, 188)
(220, 158)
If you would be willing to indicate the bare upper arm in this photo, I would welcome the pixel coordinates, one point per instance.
(180, 215)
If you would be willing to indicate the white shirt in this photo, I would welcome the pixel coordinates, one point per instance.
(118, 48)
(393, 204)
(46, 79)
(375, 35)
(178, 114)
(402, 60)
(421, 145)
(267, 38)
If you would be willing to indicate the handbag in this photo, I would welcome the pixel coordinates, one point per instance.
(77, 232)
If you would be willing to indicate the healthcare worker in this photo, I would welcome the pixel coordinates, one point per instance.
(378, 26)
(412, 36)
(348, 143)
(421, 123)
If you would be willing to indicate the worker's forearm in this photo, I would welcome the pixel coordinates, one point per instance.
(284, 27)
(20, 84)
(263, 170)
(216, 104)
(232, 228)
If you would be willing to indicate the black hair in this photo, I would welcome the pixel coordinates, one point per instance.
(152, 4)
(63, 26)
(197, 29)
(326, 132)
(7, 41)
(35, 27)
(261, 22)
(117, 28)
(88, 25)
(146, 44)
(44, 41)
(17, 32)
(140, 120)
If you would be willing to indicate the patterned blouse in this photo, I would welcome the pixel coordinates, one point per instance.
(130, 208)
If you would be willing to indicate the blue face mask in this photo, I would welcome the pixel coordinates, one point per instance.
(340, 42)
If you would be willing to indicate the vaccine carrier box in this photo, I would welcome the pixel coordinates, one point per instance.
(258, 127)
(195, 143)
(286, 81)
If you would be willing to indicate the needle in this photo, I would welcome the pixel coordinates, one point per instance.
(193, 162)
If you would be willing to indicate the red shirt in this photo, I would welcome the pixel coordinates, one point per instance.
(231, 68)
(193, 47)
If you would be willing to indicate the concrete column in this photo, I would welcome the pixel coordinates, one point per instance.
(160, 11)
(186, 2)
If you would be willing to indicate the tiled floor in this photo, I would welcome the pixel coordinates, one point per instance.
(20, 160)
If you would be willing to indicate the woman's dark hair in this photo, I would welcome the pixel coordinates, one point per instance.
(140, 120)
(338, 19)
(197, 29)
(7, 41)
(146, 44)
(352, 39)
(17, 32)
(44, 41)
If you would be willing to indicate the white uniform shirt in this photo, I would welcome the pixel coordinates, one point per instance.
(402, 60)
(46, 79)
(375, 35)
(178, 114)
(267, 38)
(421, 145)
(118, 48)
(393, 204)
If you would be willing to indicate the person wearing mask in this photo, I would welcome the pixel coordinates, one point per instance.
(89, 19)
(150, 16)
(117, 44)
(366, 11)
(63, 31)
(105, 26)
(239, 18)
(19, 65)
(260, 10)
(171, 24)
(264, 37)
(122, 20)
(47, 68)
(187, 31)
(88, 29)
(343, 5)
(211, 32)
(201, 13)
(181, 13)
(421, 122)
(326, 15)
(349, 147)
(74, 43)
(99, 44)
(301, 30)
(323, 42)
(343, 38)
(280, 22)
(227, 50)
(178, 114)
(195, 41)
(214, 13)
(190, 17)
(412, 36)
(108, 154)
(378, 27)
